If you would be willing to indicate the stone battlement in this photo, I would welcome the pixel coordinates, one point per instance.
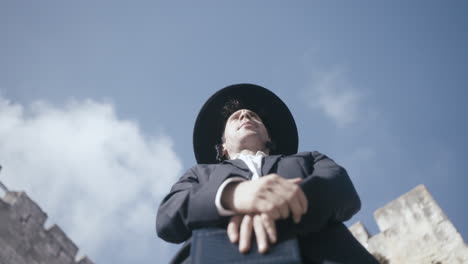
(25, 240)
(414, 229)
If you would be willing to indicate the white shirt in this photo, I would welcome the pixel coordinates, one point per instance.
(254, 163)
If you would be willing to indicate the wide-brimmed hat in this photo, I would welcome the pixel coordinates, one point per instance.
(210, 123)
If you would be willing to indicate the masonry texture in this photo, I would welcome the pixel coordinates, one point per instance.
(413, 230)
(23, 238)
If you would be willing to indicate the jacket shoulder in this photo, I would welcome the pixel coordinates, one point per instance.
(202, 168)
(314, 154)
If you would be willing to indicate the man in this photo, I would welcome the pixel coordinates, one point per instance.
(251, 181)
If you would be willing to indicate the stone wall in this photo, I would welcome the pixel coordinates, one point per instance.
(413, 230)
(23, 238)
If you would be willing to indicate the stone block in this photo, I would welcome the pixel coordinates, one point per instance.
(23, 238)
(65, 242)
(414, 229)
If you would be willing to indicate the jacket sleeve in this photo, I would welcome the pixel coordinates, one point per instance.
(190, 204)
(330, 193)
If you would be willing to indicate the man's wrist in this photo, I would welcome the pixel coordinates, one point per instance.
(227, 199)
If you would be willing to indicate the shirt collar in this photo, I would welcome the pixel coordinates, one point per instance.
(259, 153)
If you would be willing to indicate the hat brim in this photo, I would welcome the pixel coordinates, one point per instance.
(209, 126)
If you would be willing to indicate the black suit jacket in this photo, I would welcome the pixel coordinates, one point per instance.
(331, 196)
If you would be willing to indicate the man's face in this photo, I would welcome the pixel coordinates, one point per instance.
(245, 129)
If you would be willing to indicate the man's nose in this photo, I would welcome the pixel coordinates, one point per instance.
(245, 114)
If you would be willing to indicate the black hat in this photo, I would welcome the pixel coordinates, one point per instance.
(210, 123)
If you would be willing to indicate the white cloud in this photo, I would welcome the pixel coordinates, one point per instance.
(99, 177)
(334, 95)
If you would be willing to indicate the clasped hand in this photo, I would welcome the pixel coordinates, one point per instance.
(259, 204)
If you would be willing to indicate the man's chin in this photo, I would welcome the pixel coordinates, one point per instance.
(252, 139)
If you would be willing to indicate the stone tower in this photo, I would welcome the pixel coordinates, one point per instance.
(413, 230)
(23, 238)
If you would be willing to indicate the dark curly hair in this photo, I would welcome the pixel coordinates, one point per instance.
(231, 106)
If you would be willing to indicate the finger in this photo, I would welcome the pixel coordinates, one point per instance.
(295, 180)
(303, 200)
(296, 209)
(301, 196)
(274, 213)
(278, 196)
(233, 228)
(270, 228)
(297, 201)
(268, 207)
(245, 234)
(260, 234)
(284, 210)
(282, 200)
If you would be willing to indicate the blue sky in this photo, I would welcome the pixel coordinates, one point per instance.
(98, 101)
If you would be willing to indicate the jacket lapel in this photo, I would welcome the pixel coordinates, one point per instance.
(239, 164)
(268, 163)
